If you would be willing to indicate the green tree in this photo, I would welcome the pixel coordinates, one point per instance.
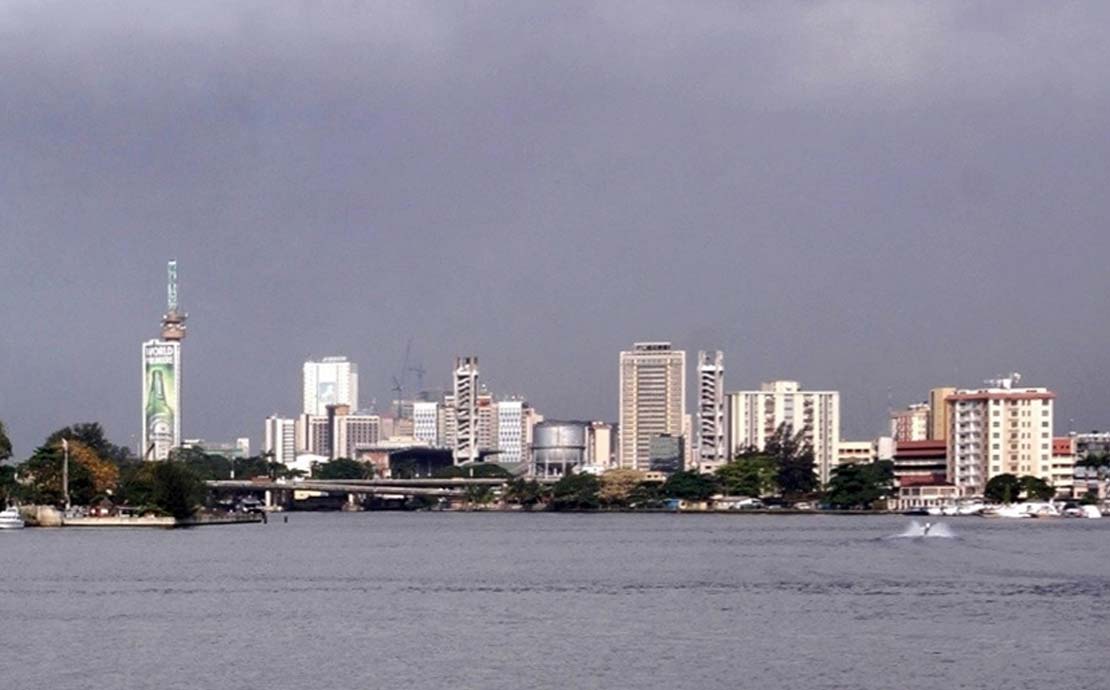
(793, 457)
(42, 474)
(209, 467)
(343, 468)
(5, 443)
(9, 487)
(91, 434)
(750, 474)
(1003, 488)
(646, 495)
(689, 486)
(1036, 488)
(169, 487)
(478, 495)
(618, 486)
(525, 493)
(860, 486)
(576, 492)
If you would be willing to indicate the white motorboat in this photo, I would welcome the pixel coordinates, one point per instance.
(10, 519)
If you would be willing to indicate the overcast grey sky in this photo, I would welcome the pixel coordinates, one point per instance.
(875, 197)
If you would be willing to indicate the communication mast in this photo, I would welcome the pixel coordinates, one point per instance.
(173, 321)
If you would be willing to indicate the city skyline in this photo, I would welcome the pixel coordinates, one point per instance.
(540, 186)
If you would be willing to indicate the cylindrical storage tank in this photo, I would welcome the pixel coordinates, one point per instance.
(558, 447)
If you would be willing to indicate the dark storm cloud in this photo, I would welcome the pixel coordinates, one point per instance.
(870, 196)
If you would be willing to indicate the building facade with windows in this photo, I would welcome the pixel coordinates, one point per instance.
(652, 399)
(999, 430)
(755, 416)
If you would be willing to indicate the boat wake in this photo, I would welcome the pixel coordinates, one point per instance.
(917, 530)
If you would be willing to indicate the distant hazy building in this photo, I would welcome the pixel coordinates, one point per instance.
(856, 452)
(465, 410)
(558, 447)
(330, 381)
(911, 424)
(997, 430)
(313, 435)
(712, 450)
(938, 413)
(754, 416)
(487, 422)
(280, 439)
(426, 422)
(349, 432)
(652, 399)
(599, 445)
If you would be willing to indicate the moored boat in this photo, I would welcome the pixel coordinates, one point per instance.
(10, 519)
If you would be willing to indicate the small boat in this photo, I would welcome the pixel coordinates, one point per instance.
(10, 519)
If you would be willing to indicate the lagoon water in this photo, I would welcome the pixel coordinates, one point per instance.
(428, 600)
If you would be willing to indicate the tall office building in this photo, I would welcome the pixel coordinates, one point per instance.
(349, 433)
(711, 442)
(997, 430)
(426, 422)
(938, 413)
(754, 416)
(313, 434)
(161, 392)
(330, 381)
(912, 423)
(281, 439)
(465, 408)
(652, 399)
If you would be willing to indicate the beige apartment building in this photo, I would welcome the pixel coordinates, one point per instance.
(652, 399)
(999, 430)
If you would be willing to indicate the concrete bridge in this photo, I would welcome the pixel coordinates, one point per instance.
(280, 491)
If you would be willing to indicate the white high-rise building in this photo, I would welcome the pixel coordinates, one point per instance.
(754, 416)
(425, 422)
(281, 439)
(652, 399)
(511, 432)
(465, 418)
(330, 381)
(711, 442)
(997, 430)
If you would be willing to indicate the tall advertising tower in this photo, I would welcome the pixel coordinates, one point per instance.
(162, 378)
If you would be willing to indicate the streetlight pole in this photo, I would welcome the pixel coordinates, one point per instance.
(65, 471)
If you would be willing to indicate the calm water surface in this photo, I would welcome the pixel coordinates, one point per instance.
(559, 601)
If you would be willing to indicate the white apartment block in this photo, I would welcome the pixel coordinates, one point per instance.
(911, 424)
(856, 452)
(330, 381)
(711, 449)
(426, 422)
(652, 399)
(511, 420)
(999, 430)
(465, 418)
(754, 416)
(280, 439)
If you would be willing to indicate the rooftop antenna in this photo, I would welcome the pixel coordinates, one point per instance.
(173, 321)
